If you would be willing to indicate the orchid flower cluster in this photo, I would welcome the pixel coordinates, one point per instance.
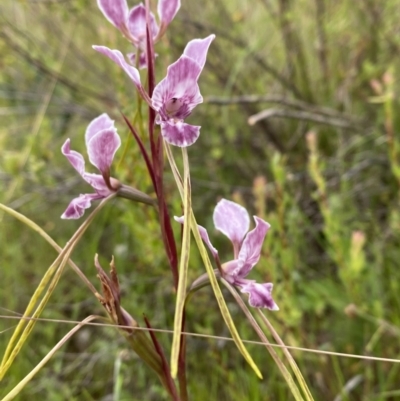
(169, 102)
(173, 99)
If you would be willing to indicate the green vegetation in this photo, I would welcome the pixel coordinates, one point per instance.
(322, 165)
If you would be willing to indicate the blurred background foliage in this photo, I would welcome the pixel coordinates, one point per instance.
(300, 125)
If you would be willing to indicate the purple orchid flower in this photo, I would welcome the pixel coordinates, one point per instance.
(102, 141)
(132, 23)
(233, 221)
(177, 94)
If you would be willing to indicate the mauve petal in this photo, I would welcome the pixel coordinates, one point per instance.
(167, 10)
(77, 206)
(250, 251)
(116, 11)
(118, 58)
(137, 24)
(197, 49)
(75, 158)
(100, 123)
(232, 220)
(180, 220)
(180, 83)
(102, 147)
(260, 295)
(203, 234)
(179, 133)
(96, 181)
(228, 268)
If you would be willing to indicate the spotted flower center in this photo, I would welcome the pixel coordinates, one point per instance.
(172, 106)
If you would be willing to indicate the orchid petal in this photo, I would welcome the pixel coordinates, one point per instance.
(137, 24)
(232, 220)
(96, 181)
(179, 133)
(203, 234)
(180, 220)
(181, 84)
(101, 149)
(250, 251)
(116, 11)
(100, 123)
(228, 268)
(260, 295)
(77, 206)
(75, 158)
(197, 49)
(167, 10)
(102, 141)
(118, 58)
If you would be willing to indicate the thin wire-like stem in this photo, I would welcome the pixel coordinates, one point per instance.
(212, 337)
(17, 389)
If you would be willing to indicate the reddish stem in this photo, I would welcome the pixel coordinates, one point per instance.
(157, 158)
(151, 84)
(143, 151)
(165, 367)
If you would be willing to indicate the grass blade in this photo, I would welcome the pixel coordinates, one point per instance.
(213, 279)
(14, 345)
(17, 389)
(183, 268)
(285, 373)
(289, 357)
(31, 224)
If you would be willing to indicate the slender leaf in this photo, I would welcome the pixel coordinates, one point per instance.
(31, 224)
(183, 269)
(289, 357)
(285, 373)
(213, 279)
(17, 389)
(55, 269)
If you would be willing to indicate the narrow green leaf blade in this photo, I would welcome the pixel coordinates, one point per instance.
(17, 389)
(183, 269)
(21, 334)
(281, 366)
(206, 260)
